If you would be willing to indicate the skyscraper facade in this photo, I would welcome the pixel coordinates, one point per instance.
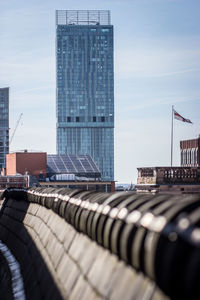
(85, 86)
(4, 126)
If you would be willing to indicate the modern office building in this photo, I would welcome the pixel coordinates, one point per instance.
(85, 86)
(4, 126)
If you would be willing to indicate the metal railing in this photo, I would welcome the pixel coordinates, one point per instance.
(158, 235)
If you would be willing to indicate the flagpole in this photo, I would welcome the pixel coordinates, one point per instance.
(172, 135)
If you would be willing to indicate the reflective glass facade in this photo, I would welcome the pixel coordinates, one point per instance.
(4, 126)
(85, 87)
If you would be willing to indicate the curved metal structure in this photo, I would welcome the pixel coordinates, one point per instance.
(158, 236)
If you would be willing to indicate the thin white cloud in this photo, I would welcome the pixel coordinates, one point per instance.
(28, 74)
(41, 88)
(157, 59)
(176, 72)
(146, 103)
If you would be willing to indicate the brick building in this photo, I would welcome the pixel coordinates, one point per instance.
(33, 163)
(190, 153)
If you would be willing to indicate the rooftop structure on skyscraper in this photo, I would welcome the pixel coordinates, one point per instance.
(82, 17)
(85, 87)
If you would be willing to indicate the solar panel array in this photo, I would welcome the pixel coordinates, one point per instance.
(71, 164)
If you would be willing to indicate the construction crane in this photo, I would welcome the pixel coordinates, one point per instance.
(12, 136)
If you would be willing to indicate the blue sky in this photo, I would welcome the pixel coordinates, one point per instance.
(157, 65)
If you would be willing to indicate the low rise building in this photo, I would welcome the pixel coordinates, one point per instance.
(75, 171)
(190, 153)
(72, 168)
(169, 180)
(52, 170)
(27, 163)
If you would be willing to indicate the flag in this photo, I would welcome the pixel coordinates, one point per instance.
(180, 118)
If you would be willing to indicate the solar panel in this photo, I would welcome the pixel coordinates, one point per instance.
(92, 163)
(71, 164)
(86, 165)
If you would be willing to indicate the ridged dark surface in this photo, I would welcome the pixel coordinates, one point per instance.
(156, 235)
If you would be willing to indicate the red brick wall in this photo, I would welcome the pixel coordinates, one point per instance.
(32, 163)
(11, 164)
(187, 144)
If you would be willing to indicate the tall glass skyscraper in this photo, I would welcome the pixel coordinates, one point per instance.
(4, 126)
(85, 86)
